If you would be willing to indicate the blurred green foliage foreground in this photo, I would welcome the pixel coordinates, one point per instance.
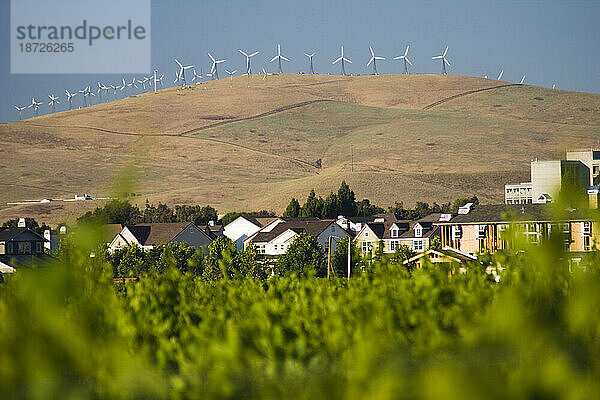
(387, 333)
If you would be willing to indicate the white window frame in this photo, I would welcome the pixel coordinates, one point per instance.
(418, 245)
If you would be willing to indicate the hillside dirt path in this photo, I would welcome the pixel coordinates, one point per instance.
(190, 133)
(437, 103)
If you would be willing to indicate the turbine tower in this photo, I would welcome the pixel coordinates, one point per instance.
(279, 57)
(53, 101)
(248, 57)
(342, 59)
(373, 60)
(20, 110)
(180, 75)
(213, 70)
(404, 58)
(444, 61)
(310, 56)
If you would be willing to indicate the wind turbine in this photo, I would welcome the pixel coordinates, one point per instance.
(132, 85)
(310, 57)
(70, 97)
(279, 57)
(159, 80)
(181, 73)
(500, 76)
(405, 59)
(248, 57)
(35, 105)
(20, 110)
(196, 76)
(53, 101)
(444, 61)
(522, 80)
(342, 59)
(213, 70)
(87, 92)
(231, 73)
(373, 60)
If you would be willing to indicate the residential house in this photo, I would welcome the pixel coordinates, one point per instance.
(213, 229)
(275, 238)
(21, 247)
(148, 236)
(482, 228)
(392, 233)
(243, 227)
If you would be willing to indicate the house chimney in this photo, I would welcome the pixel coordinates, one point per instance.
(23, 223)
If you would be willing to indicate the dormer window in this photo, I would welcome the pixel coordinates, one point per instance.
(418, 231)
(394, 232)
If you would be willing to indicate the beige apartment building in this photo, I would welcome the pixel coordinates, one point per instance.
(591, 159)
(580, 170)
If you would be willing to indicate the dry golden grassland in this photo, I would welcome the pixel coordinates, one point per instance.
(252, 144)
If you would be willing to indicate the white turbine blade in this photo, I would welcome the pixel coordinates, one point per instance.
(278, 49)
(274, 58)
(283, 58)
(398, 58)
(345, 59)
(337, 60)
(243, 53)
(406, 51)
(408, 61)
(253, 54)
(522, 80)
(178, 63)
(220, 61)
(370, 61)
(234, 71)
(380, 58)
(307, 55)
(436, 57)
(371, 50)
(214, 66)
(446, 61)
(500, 76)
(211, 57)
(445, 51)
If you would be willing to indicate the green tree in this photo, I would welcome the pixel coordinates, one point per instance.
(218, 264)
(403, 253)
(339, 259)
(435, 243)
(293, 209)
(132, 262)
(347, 200)
(116, 211)
(313, 207)
(331, 207)
(304, 256)
(366, 209)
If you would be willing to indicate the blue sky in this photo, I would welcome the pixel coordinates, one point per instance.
(550, 41)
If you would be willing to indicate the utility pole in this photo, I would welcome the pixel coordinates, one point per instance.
(329, 257)
(349, 258)
(351, 158)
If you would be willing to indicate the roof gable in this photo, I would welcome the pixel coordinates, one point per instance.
(20, 234)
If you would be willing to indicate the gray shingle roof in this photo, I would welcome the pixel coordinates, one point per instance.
(312, 226)
(483, 213)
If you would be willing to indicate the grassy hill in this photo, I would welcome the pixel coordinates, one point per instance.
(247, 144)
